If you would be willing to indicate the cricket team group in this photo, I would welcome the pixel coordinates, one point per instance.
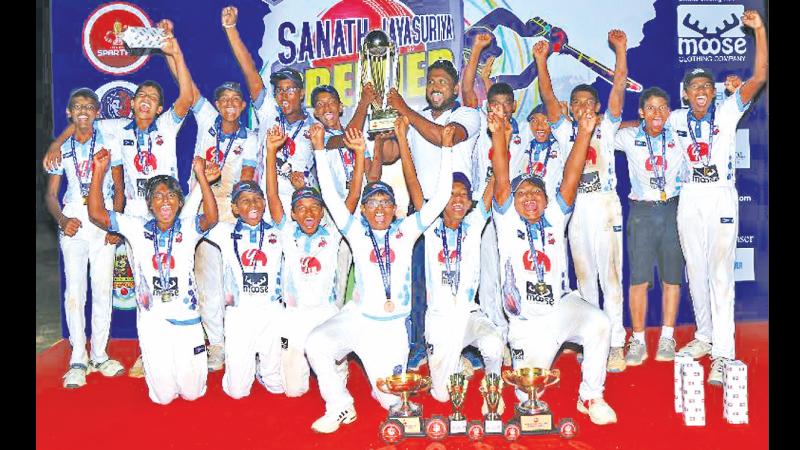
(255, 258)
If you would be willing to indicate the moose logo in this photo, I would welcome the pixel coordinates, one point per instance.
(710, 33)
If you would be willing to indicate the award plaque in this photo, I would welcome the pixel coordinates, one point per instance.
(143, 40)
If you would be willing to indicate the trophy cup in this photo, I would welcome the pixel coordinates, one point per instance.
(143, 40)
(407, 413)
(534, 414)
(458, 391)
(378, 65)
(492, 391)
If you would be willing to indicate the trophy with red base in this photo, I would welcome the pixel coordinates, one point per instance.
(534, 415)
(405, 415)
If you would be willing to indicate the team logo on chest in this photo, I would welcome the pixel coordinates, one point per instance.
(659, 160)
(541, 258)
(591, 156)
(159, 140)
(252, 257)
(145, 162)
(453, 256)
(697, 152)
(310, 265)
(163, 257)
(372, 258)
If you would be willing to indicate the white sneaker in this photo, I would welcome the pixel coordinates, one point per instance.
(637, 352)
(506, 356)
(598, 410)
(666, 349)
(616, 360)
(109, 368)
(137, 369)
(216, 357)
(75, 376)
(696, 348)
(715, 374)
(329, 423)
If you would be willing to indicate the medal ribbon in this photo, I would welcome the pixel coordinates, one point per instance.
(84, 190)
(348, 171)
(385, 266)
(236, 237)
(161, 272)
(143, 156)
(696, 147)
(535, 156)
(534, 257)
(215, 157)
(661, 180)
(284, 125)
(457, 277)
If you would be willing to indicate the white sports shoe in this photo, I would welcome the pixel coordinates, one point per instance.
(616, 360)
(696, 348)
(666, 349)
(75, 376)
(137, 369)
(598, 410)
(715, 374)
(329, 423)
(216, 357)
(109, 368)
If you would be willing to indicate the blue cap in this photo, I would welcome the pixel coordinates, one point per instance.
(376, 187)
(306, 192)
(691, 74)
(286, 73)
(534, 179)
(324, 88)
(539, 109)
(459, 177)
(228, 86)
(245, 186)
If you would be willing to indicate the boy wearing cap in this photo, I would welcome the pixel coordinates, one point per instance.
(541, 316)
(310, 246)
(82, 242)
(708, 211)
(251, 253)
(595, 228)
(283, 108)
(168, 324)
(373, 325)
(452, 266)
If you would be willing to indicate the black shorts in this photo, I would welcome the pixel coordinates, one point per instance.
(652, 232)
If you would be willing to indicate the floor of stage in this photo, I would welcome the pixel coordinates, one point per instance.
(117, 413)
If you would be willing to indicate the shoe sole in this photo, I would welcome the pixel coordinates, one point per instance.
(715, 383)
(136, 374)
(637, 363)
(118, 373)
(585, 410)
(663, 359)
(615, 370)
(345, 421)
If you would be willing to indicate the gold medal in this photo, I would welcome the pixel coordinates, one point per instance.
(166, 297)
(663, 196)
(388, 306)
(84, 200)
(706, 171)
(541, 288)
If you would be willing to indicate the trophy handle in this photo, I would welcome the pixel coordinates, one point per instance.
(555, 376)
(381, 384)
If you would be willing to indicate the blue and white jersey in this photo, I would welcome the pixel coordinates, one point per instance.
(253, 255)
(598, 173)
(343, 163)
(75, 155)
(645, 168)
(177, 262)
(544, 159)
(483, 154)
(310, 263)
(713, 162)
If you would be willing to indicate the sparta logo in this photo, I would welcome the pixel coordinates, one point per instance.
(179, 237)
(253, 256)
(660, 162)
(323, 243)
(453, 256)
(310, 265)
(372, 258)
(517, 139)
(697, 152)
(163, 257)
(541, 258)
(272, 239)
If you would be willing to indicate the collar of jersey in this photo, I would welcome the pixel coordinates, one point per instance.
(667, 132)
(706, 117)
(132, 126)
(162, 235)
(535, 225)
(244, 226)
(536, 144)
(391, 228)
(321, 231)
(456, 105)
(449, 231)
(241, 133)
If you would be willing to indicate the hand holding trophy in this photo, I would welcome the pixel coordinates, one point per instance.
(378, 66)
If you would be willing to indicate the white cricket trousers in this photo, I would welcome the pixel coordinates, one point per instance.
(87, 246)
(208, 276)
(344, 260)
(252, 348)
(174, 357)
(382, 347)
(536, 341)
(595, 238)
(489, 288)
(708, 223)
(447, 333)
(297, 324)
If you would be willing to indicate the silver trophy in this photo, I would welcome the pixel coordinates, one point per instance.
(378, 65)
(143, 40)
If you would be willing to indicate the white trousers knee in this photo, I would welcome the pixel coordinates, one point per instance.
(344, 260)
(297, 324)
(208, 276)
(489, 288)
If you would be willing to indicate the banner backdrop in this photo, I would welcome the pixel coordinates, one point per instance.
(322, 37)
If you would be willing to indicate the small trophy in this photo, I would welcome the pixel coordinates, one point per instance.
(534, 415)
(378, 65)
(143, 40)
(492, 391)
(406, 412)
(458, 391)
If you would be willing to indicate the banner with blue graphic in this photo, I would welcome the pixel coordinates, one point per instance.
(322, 38)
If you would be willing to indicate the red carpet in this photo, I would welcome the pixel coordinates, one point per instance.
(116, 413)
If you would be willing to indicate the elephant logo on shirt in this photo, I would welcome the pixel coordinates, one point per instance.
(144, 162)
(310, 265)
(697, 151)
(163, 257)
(453, 256)
(373, 259)
(660, 162)
(253, 256)
(541, 259)
(591, 156)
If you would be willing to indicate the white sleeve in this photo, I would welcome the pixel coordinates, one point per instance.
(433, 207)
(608, 129)
(469, 118)
(562, 131)
(622, 139)
(731, 110)
(335, 204)
(169, 121)
(265, 108)
(250, 153)
(125, 224)
(205, 114)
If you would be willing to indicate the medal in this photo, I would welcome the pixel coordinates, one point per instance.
(541, 288)
(385, 267)
(142, 156)
(663, 196)
(388, 306)
(284, 124)
(163, 274)
(659, 172)
(707, 171)
(706, 161)
(454, 276)
(215, 157)
(535, 157)
(84, 185)
(538, 267)
(166, 297)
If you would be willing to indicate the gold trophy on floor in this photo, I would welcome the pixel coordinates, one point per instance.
(534, 415)
(405, 416)
(457, 388)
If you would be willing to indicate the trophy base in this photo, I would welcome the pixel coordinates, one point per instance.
(536, 423)
(391, 431)
(528, 408)
(493, 426)
(457, 426)
(436, 428)
(378, 125)
(412, 426)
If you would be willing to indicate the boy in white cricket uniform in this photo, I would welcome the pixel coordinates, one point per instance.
(168, 323)
(595, 228)
(82, 242)
(452, 267)
(311, 246)
(708, 212)
(373, 324)
(655, 168)
(251, 253)
(532, 257)
(228, 147)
